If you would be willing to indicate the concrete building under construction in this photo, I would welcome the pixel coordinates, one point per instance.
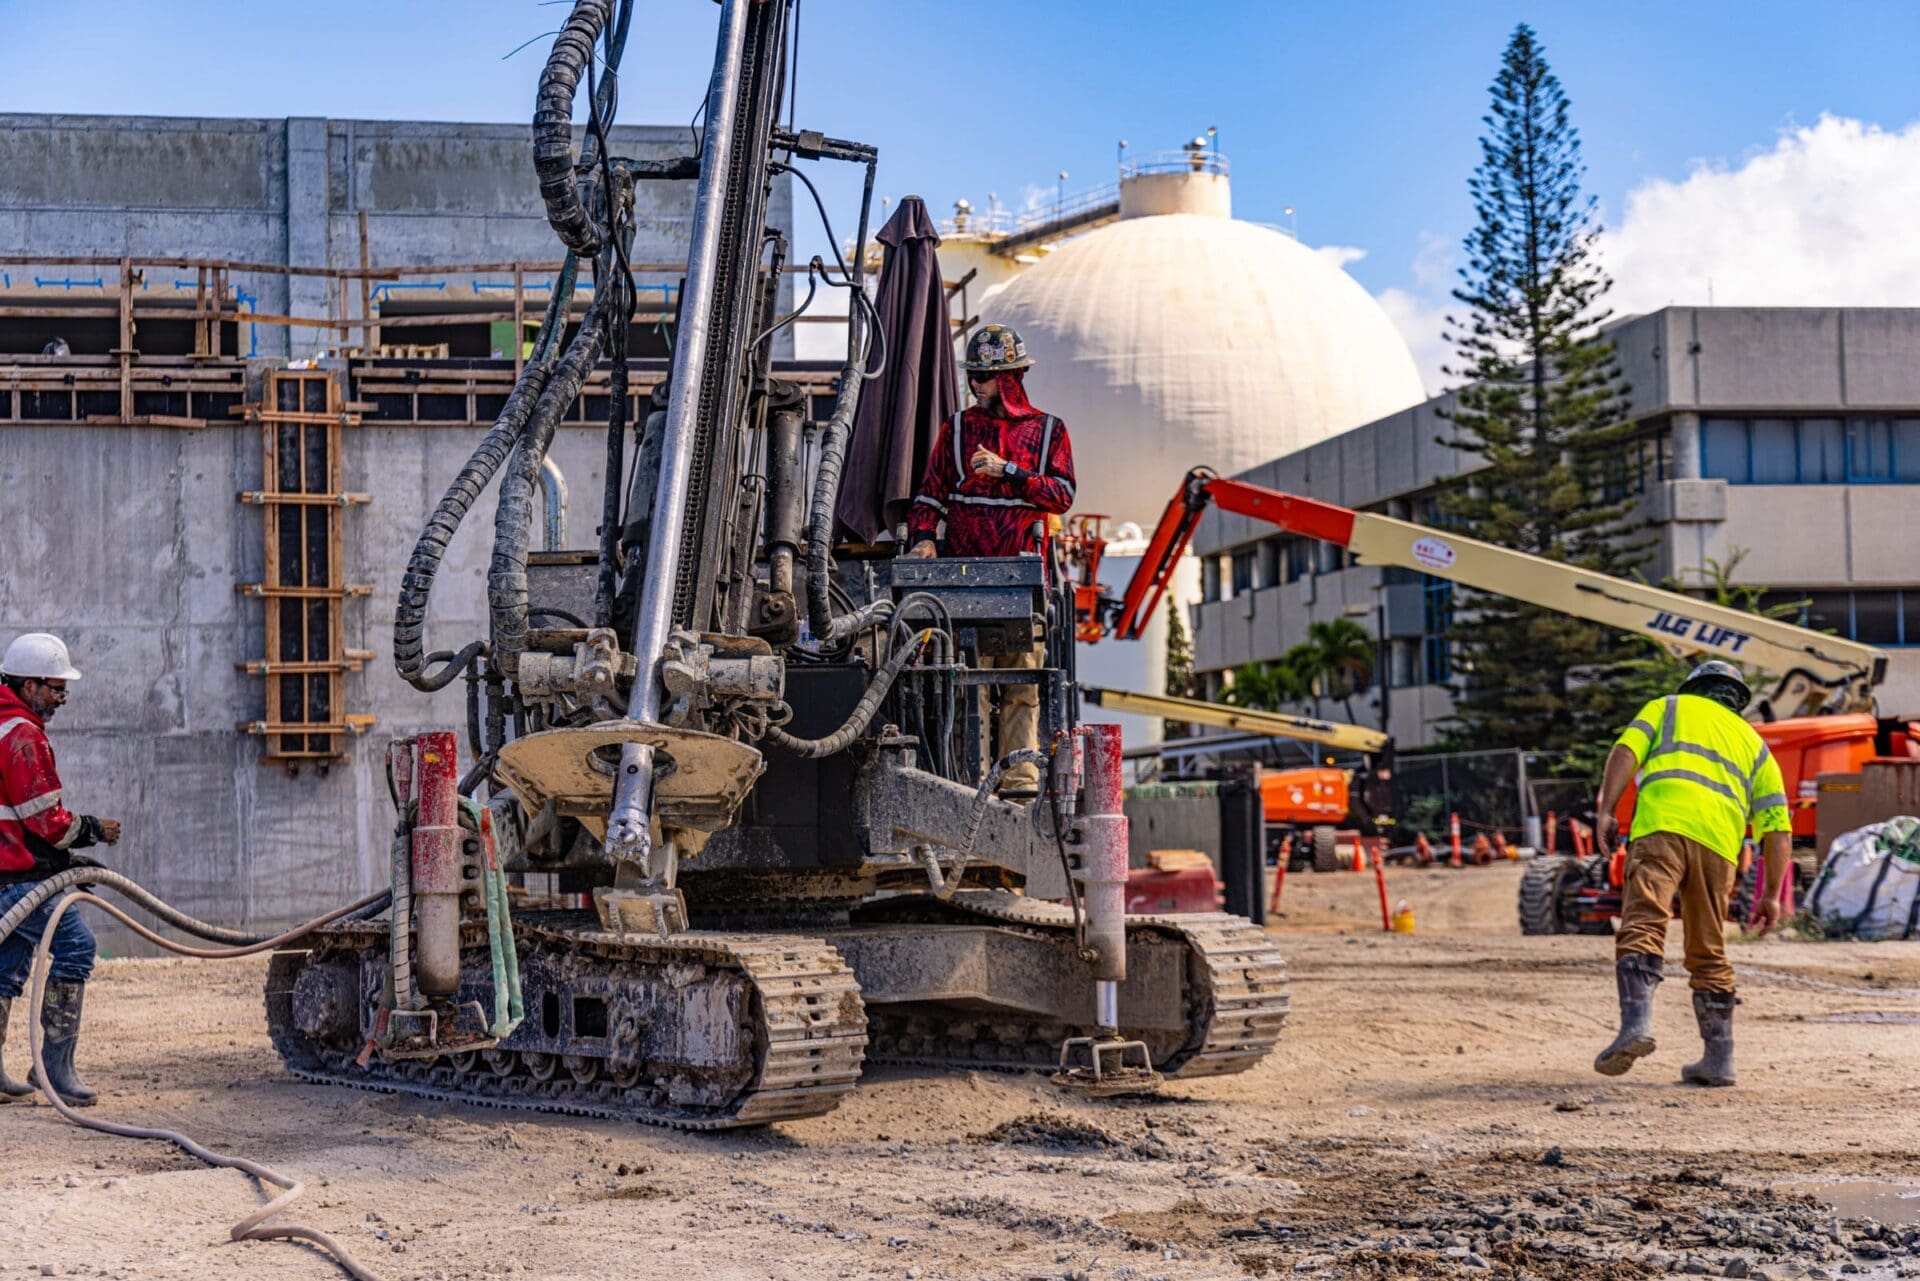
(219, 533)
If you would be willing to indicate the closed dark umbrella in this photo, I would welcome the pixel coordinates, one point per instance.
(901, 411)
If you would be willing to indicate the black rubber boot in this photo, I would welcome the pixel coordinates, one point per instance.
(10, 1089)
(60, 1018)
(1713, 1011)
(1637, 974)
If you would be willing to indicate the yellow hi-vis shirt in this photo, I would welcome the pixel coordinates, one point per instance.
(1703, 773)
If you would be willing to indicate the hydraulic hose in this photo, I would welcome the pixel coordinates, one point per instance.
(410, 611)
(406, 995)
(30, 902)
(553, 162)
(513, 516)
(254, 1226)
(828, 628)
(944, 884)
(841, 739)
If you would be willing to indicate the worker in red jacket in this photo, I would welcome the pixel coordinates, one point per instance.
(999, 472)
(38, 835)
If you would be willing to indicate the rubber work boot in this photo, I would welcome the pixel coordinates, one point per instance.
(10, 1089)
(1713, 1011)
(1638, 974)
(60, 1018)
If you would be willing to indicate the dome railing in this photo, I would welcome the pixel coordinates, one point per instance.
(1181, 160)
(1005, 222)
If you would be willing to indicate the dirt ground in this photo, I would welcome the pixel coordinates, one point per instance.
(1430, 1111)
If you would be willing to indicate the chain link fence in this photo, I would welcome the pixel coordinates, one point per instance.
(1491, 791)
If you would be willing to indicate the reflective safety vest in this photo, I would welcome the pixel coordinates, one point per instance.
(1704, 773)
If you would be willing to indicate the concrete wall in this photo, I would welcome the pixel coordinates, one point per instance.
(291, 191)
(133, 556)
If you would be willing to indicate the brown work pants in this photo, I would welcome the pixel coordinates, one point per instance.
(1019, 716)
(1661, 865)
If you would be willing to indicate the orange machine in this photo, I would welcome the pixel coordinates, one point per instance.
(1307, 805)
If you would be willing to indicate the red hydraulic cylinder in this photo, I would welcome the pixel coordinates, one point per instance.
(436, 865)
(1103, 870)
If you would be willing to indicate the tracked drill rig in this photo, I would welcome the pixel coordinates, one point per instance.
(767, 766)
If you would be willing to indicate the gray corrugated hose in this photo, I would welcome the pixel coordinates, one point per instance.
(253, 1226)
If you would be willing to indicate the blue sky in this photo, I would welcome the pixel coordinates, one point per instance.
(1362, 116)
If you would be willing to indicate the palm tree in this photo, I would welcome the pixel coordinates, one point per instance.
(1340, 657)
(1267, 687)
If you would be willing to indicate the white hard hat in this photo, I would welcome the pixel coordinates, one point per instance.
(40, 655)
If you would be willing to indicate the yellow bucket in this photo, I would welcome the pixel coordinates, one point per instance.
(1403, 918)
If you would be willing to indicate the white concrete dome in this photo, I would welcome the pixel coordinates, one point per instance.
(1169, 340)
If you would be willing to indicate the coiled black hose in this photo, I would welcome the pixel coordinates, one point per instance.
(513, 515)
(553, 163)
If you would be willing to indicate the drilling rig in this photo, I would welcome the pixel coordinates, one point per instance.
(767, 765)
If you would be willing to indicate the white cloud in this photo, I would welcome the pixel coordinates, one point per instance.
(1340, 255)
(1421, 322)
(1827, 217)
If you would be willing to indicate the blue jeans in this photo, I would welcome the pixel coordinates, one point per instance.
(73, 946)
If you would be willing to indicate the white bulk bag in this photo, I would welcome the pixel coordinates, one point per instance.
(1869, 886)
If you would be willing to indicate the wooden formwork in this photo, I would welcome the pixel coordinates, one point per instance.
(301, 415)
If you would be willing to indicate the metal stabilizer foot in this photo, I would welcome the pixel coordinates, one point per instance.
(417, 1034)
(661, 911)
(1106, 1071)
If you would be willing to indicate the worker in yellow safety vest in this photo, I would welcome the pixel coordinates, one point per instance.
(1704, 775)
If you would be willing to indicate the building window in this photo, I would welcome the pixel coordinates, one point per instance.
(1436, 624)
(1623, 474)
(1773, 451)
(1243, 571)
(1829, 612)
(1810, 451)
(1876, 618)
(1299, 558)
(1886, 616)
(1272, 551)
(1209, 579)
(1327, 558)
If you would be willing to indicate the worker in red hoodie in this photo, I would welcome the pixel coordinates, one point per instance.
(999, 471)
(38, 835)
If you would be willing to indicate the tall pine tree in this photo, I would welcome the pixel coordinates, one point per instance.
(1542, 412)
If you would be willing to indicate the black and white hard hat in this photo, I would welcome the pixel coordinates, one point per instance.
(1715, 673)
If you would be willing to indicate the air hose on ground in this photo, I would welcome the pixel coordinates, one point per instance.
(254, 1227)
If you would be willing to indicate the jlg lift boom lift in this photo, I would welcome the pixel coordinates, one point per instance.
(1818, 716)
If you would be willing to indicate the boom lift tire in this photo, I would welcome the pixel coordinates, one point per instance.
(1326, 852)
(1548, 897)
